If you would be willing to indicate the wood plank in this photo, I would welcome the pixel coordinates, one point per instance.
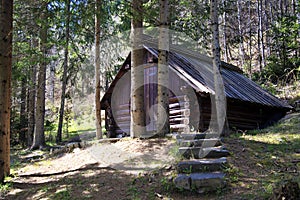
(179, 105)
(125, 118)
(178, 99)
(184, 112)
(180, 128)
(122, 113)
(123, 106)
(177, 116)
(120, 131)
(181, 120)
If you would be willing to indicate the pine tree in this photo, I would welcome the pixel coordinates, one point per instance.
(137, 122)
(6, 24)
(97, 69)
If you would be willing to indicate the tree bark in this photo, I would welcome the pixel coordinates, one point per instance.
(241, 39)
(97, 69)
(32, 83)
(32, 99)
(137, 122)
(39, 135)
(261, 33)
(6, 24)
(64, 78)
(259, 36)
(163, 126)
(250, 39)
(224, 32)
(23, 117)
(219, 103)
(52, 81)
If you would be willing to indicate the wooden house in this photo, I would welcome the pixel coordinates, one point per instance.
(190, 83)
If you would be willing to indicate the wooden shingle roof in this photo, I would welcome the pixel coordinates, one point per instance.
(197, 69)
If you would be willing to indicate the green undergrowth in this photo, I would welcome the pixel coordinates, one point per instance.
(266, 159)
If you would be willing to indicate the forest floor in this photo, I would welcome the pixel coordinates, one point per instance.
(143, 169)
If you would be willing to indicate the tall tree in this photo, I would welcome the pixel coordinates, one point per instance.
(241, 38)
(23, 115)
(137, 122)
(250, 38)
(163, 125)
(6, 24)
(97, 69)
(260, 42)
(65, 73)
(219, 114)
(225, 31)
(39, 135)
(31, 104)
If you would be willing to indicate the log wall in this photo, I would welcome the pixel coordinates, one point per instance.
(184, 115)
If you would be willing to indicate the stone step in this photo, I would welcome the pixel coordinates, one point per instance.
(202, 165)
(197, 136)
(200, 182)
(207, 152)
(200, 142)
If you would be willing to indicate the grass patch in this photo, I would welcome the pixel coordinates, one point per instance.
(63, 194)
(5, 187)
(264, 159)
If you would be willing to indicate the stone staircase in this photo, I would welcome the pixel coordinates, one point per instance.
(203, 163)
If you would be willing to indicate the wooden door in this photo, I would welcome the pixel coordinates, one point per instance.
(150, 95)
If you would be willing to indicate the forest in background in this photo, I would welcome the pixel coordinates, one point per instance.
(56, 77)
(56, 39)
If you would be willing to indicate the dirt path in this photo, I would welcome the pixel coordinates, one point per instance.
(132, 156)
(116, 166)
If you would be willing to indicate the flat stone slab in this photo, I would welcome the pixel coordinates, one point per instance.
(197, 136)
(183, 181)
(212, 142)
(199, 152)
(202, 165)
(200, 182)
(207, 182)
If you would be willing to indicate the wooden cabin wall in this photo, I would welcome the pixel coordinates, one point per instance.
(241, 115)
(179, 110)
(120, 106)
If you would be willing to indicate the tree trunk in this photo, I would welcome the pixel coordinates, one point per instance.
(261, 33)
(6, 24)
(259, 36)
(31, 99)
(250, 40)
(23, 117)
(97, 69)
(137, 122)
(267, 18)
(52, 81)
(224, 33)
(219, 103)
(64, 78)
(163, 126)
(241, 39)
(32, 84)
(39, 135)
